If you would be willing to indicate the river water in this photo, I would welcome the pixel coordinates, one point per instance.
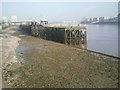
(103, 39)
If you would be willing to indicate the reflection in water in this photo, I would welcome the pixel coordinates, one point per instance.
(103, 39)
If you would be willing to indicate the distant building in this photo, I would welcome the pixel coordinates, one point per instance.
(101, 19)
(43, 22)
(105, 18)
(90, 19)
(4, 19)
(95, 19)
(14, 19)
(87, 20)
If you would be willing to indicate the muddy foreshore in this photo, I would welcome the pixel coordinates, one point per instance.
(9, 62)
(46, 64)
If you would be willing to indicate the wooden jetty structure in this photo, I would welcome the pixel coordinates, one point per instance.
(71, 35)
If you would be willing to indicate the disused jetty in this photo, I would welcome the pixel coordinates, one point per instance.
(71, 35)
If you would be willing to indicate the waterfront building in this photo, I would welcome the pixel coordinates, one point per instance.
(95, 19)
(105, 18)
(101, 19)
(87, 20)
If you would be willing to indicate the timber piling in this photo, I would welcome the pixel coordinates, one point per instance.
(70, 35)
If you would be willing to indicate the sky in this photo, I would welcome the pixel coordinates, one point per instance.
(58, 11)
(60, 0)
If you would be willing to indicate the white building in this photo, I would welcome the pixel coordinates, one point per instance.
(14, 19)
(4, 19)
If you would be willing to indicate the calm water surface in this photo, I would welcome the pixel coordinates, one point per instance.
(103, 39)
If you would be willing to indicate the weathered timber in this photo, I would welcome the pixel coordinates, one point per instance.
(71, 35)
(26, 28)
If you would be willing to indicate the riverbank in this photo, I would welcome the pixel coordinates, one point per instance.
(46, 64)
(9, 43)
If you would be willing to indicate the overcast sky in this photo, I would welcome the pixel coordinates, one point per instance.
(60, 0)
(59, 11)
